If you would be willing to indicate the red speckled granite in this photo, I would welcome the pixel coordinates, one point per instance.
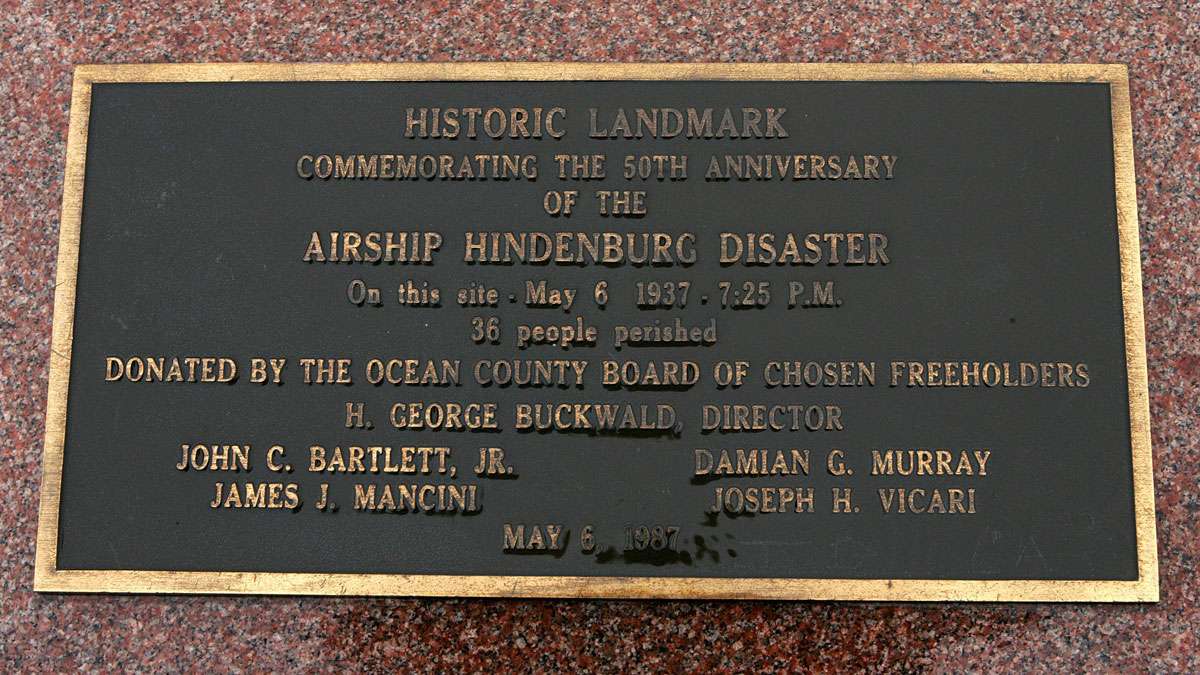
(41, 41)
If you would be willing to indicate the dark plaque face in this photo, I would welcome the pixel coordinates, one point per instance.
(773, 331)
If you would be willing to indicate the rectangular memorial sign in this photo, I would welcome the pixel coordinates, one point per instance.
(579, 330)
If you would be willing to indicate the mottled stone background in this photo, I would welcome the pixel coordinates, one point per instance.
(39, 44)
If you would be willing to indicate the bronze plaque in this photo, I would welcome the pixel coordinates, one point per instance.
(857, 332)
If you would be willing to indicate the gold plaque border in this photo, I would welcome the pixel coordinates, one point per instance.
(49, 578)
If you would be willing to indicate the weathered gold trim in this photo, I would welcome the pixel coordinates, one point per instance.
(48, 578)
(62, 334)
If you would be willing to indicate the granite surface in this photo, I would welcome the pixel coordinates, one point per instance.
(41, 41)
